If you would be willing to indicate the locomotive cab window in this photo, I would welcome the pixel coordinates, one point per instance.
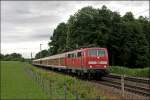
(92, 52)
(101, 53)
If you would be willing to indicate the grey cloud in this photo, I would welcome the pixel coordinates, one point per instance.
(37, 35)
(34, 20)
(43, 16)
(16, 39)
(41, 36)
(28, 22)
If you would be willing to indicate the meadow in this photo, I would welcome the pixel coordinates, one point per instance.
(23, 81)
(15, 83)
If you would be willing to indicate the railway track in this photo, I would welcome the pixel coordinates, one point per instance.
(135, 85)
(139, 86)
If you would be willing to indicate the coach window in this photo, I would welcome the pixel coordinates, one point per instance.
(92, 52)
(73, 55)
(79, 54)
(76, 55)
(69, 55)
(101, 53)
(66, 55)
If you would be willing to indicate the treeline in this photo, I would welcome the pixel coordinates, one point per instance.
(11, 57)
(42, 54)
(126, 38)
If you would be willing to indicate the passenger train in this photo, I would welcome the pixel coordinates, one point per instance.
(82, 61)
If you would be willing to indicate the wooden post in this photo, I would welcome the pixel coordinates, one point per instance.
(122, 85)
(50, 88)
(31, 58)
(98, 98)
(65, 91)
(76, 95)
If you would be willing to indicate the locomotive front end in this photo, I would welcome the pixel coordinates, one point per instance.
(97, 58)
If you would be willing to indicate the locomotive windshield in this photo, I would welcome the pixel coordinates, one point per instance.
(93, 53)
(100, 53)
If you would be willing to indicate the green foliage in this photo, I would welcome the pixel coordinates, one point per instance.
(42, 54)
(145, 24)
(15, 83)
(128, 17)
(11, 57)
(58, 40)
(136, 72)
(126, 38)
(1, 56)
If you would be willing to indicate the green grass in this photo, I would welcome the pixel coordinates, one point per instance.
(136, 72)
(16, 84)
(84, 89)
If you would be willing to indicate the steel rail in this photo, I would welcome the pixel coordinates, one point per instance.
(137, 79)
(115, 81)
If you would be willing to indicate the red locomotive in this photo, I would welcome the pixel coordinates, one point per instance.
(84, 60)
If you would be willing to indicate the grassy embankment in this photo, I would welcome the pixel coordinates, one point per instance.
(135, 72)
(15, 83)
(75, 88)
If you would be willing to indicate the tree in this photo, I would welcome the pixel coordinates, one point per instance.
(126, 38)
(145, 23)
(12, 57)
(58, 40)
(89, 26)
(41, 54)
(115, 38)
(128, 17)
(1, 56)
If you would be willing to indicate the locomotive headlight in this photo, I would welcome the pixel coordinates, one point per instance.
(92, 62)
(103, 62)
(90, 66)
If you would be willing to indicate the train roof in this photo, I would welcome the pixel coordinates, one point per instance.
(78, 50)
(63, 54)
(52, 57)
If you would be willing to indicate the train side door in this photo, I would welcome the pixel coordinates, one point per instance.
(79, 55)
(65, 60)
(83, 59)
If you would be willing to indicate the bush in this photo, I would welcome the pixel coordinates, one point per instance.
(136, 72)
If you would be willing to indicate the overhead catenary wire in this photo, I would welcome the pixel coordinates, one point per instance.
(147, 10)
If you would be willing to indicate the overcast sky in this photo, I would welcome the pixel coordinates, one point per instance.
(27, 24)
